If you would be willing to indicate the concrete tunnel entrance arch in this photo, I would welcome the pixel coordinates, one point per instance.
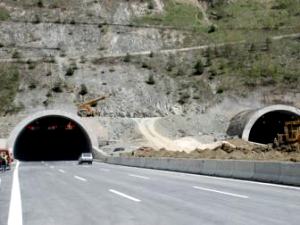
(262, 125)
(51, 135)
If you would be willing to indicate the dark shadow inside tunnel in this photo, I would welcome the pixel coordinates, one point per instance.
(266, 128)
(51, 138)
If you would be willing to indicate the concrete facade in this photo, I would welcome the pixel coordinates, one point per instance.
(243, 122)
(18, 129)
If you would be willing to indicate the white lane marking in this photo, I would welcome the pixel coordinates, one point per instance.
(139, 176)
(62, 171)
(105, 170)
(220, 192)
(205, 176)
(15, 215)
(51, 167)
(80, 178)
(124, 195)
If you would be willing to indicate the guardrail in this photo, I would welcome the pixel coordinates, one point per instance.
(272, 172)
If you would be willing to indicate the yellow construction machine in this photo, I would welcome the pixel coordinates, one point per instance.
(291, 133)
(86, 109)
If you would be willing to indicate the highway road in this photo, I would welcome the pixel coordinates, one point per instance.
(64, 193)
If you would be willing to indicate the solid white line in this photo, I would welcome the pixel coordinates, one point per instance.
(15, 215)
(139, 176)
(62, 171)
(124, 195)
(220, 192)
(80, 178)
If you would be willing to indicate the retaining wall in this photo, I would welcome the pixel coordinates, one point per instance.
(273, 172)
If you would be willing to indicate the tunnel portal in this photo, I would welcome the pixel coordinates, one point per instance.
(51, 138)
(266, 128)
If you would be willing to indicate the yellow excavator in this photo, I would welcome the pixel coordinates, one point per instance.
(86, 109)
(291, 133)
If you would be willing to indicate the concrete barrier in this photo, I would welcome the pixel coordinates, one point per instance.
(274, 172)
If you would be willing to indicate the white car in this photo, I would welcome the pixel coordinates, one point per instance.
(85, 158)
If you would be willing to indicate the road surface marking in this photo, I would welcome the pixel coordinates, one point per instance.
(62, 171)
(210, 177)
(15, 208)
(139, 176)
(80, 178)
(124, 195)
(220, 192)
(51, 167)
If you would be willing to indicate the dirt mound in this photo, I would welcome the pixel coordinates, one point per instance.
(233, 149)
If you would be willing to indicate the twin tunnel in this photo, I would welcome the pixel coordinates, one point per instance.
(262, 125)
(51, 136)
(56, 135)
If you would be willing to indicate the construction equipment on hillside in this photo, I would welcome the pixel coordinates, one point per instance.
(86, 109)
(291, 133)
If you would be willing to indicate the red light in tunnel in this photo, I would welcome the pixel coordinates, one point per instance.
(70, 126)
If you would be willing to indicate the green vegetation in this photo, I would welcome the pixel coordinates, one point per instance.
(176, 15)
(234, 21)
(9, 83)
(4, 14)
(257, 64)
(254, 19)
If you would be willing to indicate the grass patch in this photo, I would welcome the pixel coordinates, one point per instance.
(4, 14)
(9, 83)
(176, 14)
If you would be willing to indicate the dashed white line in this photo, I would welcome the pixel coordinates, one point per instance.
(15, 215)
(124, 195)
(62, 171)
(220, 192)
(139, 176)
(80, 178)
(51, 167)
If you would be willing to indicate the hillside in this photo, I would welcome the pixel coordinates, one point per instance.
(176, 59)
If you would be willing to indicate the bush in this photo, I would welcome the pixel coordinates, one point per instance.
(127, 58)
(70, 71)
(212, 28)
(150, 80)
(40, 3)
(16, 55)
(57, 87)
(83, 89)
(199, 68)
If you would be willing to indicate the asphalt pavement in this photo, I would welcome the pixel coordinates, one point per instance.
(64, 193)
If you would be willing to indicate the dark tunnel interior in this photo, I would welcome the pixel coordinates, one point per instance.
(51, 138)
(269, 125)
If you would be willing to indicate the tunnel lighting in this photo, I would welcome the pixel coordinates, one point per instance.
(32, 128)
(52, 127)
(70, 126)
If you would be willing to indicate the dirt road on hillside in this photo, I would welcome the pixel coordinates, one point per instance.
(158, 141)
